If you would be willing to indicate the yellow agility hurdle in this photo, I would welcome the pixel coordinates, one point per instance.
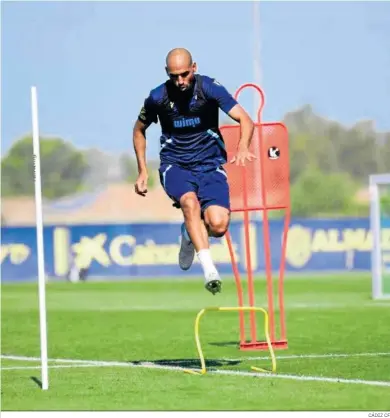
(232, 309)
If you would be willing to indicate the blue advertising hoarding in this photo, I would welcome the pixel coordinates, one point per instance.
(140, 250)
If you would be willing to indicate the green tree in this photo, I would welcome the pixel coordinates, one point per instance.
(62, 168)
(384, 153)
(315, 141)
(315, 193)
(359, 154)
(385, 204)
(299, 154)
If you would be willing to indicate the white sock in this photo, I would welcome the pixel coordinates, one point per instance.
(206, 261)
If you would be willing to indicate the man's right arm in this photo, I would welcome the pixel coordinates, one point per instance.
(146, 116)
(139, 142)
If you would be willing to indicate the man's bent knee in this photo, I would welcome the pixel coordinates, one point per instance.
(217, 220)
(218, 229)
(189, 204)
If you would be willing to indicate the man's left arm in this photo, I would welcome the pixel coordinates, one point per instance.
(232, 108)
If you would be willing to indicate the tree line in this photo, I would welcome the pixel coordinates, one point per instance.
(329, 164)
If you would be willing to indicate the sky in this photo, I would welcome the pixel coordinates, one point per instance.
(94, 62)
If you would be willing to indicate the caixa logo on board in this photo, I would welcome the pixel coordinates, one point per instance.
(187, 122)
(109, 249)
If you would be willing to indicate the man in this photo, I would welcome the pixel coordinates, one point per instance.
(192, 155)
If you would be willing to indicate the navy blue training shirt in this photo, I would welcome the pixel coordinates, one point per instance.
(189, 120)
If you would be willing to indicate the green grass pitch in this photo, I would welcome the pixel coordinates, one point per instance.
(133, 338)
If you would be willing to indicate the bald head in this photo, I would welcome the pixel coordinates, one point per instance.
(180, 68)
(179, 55)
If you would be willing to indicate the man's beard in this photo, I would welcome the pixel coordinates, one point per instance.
(189, 87)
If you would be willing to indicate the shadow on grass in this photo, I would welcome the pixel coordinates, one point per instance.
(195, 363)
(226, 344)
(190, 363)
(36, 380)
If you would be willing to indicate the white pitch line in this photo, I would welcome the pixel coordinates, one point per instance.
(150, 365)
(52, 366)
(281, 357)
(308, 378)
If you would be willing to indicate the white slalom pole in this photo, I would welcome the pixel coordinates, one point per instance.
(40, 248)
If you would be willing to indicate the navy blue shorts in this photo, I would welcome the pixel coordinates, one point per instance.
(211, 186)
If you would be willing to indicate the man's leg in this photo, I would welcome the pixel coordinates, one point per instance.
(194, 225)
(213, 195)
(180, 186)
(195, 235)
(199, 238)
(217, 220)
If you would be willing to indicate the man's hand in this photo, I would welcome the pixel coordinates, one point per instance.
(242, 156)
(141, 185)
